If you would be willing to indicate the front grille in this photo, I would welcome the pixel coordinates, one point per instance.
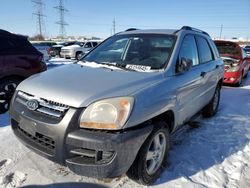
(46, 107)
(65, 51)
(40, 139)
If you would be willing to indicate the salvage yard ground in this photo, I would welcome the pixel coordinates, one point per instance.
(215, 154)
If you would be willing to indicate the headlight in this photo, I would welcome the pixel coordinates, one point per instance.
(109, 114)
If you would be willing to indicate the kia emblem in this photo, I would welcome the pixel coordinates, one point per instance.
(32, 104)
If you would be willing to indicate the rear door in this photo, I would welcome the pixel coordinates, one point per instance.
(209, 69)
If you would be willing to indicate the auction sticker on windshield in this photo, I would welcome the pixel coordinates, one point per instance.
(138, 67)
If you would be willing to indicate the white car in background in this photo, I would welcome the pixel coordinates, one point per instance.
(44, 47)
(78, 49)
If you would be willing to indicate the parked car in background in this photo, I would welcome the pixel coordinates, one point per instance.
(18, 60)
(247, 50)
(115, 112)
(56, 49)
(78, 49)
(235, 61)
(44, 47)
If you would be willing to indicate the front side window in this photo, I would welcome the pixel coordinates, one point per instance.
(188, 50)
(151, 50)
(88, 45)
(204, 50)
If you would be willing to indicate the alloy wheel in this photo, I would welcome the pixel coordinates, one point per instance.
(155, 154)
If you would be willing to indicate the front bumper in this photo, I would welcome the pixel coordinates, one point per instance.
(231, 77)
(68, 54)
(86, 152)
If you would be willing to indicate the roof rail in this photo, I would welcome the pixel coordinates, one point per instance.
(194, 29)
(131, 29)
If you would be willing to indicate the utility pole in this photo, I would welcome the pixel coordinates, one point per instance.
(114, 26)
(61, 9)
(38, 4)
(221, 27)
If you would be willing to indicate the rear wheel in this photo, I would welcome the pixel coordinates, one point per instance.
(212, 107)
(7, 89)
(152, 156)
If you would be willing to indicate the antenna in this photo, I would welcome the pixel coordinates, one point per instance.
(61, 9)
(38, 4)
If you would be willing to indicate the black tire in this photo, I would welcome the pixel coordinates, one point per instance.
(79, 55)
(7, 89)
(212, 107)
(139, 171)
(246, 75)
(240, 81)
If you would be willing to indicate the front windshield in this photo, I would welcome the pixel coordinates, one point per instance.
(80, 43)
(146, 50)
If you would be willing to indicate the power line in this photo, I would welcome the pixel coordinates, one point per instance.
(39, 14)
(221, 27)
(61, 9)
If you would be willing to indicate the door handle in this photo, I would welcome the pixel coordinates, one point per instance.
(203, 74)
(217, 66)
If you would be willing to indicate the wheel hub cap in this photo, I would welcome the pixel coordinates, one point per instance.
(155, 153)
(6, 94)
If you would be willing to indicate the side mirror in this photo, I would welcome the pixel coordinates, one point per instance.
(183, 65)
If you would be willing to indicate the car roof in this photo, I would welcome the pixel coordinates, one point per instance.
(149, 31)
(177, 32)
(7, 34)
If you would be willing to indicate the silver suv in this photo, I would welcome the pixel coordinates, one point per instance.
(112, 112)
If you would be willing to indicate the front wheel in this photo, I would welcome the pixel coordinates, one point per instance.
(212, 107)
(79, 55)
(152, 156)
(7, 89)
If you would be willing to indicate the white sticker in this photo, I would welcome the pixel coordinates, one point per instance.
(138, 67)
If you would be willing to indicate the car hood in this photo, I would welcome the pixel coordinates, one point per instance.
(71, 47)
(77, 85)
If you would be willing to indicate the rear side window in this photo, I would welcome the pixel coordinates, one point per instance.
(189, 49)
(204, 49)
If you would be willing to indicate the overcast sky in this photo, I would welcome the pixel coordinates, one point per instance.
(94, 17)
